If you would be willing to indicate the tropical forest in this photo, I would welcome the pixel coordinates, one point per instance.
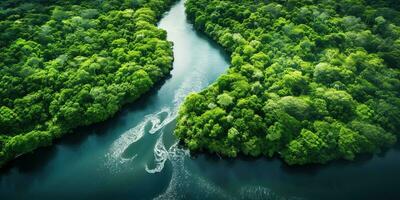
(200, 99)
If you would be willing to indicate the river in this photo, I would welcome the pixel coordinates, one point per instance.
(134, 155)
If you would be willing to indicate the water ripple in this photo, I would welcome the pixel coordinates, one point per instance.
(114, 158)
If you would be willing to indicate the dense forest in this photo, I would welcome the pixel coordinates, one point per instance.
(310, 80)
(65, 64)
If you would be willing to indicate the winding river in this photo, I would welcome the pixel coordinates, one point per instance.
(134, 155)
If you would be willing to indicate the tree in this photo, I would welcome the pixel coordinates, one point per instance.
(225, 100)
(340, 104)
(75, 63)
(8, 120)
(306, 148)
(308, 82)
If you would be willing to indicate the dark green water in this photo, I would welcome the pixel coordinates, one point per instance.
(134, 155)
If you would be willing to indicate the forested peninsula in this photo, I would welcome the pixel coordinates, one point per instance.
(65, 64)
(310, 80)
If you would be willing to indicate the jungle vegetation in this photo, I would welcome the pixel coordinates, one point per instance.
(65, 64)
(310, 80)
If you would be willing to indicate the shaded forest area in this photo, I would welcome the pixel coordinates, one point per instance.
(310, 80)
(65, 64)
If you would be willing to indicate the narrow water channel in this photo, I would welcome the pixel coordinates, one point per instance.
(134, 155)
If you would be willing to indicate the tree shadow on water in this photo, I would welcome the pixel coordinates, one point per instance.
(341, 164)
(29, 162)
(396, 147)
(312, 169)
(34, 161)
(100, 129)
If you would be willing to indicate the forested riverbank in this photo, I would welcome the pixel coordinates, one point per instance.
(310, 81)
(65, 64)
(134, 154)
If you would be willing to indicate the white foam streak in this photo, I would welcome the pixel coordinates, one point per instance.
(157, 124)
(115, 154)
(115, 157)
(183, 182)
(126, 139)
(160, 155)
(260, 192)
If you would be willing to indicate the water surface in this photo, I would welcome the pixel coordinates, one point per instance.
(135, 156)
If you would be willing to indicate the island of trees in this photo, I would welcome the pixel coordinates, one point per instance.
(65, 64)
(310, 80)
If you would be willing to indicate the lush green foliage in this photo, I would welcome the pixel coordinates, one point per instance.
(310, 80)
(65, 64)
